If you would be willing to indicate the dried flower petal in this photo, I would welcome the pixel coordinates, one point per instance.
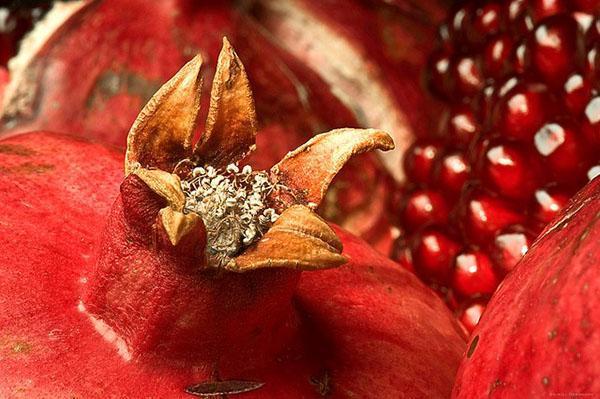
(230, 132)
(299, 239)
(309, 169)
(165, 184)
(177, 224)
(161, 136)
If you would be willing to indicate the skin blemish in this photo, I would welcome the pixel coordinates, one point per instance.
(552, 334)
(15, 346)
(473, 346)
(27, 168)
(16, 149)
(322, 383)
(545, 381)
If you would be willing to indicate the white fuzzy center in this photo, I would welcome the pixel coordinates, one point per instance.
(233, 207)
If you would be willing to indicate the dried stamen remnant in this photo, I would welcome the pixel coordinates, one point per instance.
(233, 206)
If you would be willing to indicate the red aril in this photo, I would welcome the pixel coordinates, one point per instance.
(473, 274)
(453, 171)
(508, 248)
(433, 258)
(424, 208)
(470, 314)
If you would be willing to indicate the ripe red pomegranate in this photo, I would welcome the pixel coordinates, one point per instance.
(88, 68)
(539, 334)
(519, 137)
(192, 282)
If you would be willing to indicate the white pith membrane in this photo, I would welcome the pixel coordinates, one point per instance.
(233, 205)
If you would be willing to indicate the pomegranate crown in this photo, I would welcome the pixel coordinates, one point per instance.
(249, 219)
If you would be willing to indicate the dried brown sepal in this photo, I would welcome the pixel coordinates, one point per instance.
(162, 134)
(231, 125)
(177, 224)
(309, 169)
(299, 239)
(165, 184)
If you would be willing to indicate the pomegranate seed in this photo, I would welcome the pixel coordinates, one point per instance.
(509, 247)
(554, 48)
(467, 76)
(521, 58)
(577, 91)
(460, 21)
(486, 21)
(590, 126)
(473, 274)
(424, 207)
(496, 55)
(403, 256)
(564, 154)
(547, 204)
(453, 172)
(509, 171)
(419, 160)
(446, 295)
(593, 172)
(470, 315)
(591, 6)
(484, 216)
(439, 79)
(519, 20)
(462, 127)
(541, 9)
(433, 253)
(522, 111)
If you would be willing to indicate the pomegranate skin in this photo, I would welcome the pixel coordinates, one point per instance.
(345, 326)
(539, 333)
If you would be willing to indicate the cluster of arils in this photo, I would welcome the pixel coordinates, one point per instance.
(521, 136)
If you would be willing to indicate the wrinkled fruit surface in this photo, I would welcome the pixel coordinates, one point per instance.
(520, 136)
(345, 325)
(539, 335)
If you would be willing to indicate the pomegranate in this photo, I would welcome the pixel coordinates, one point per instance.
(517, 140)
(539, 334)
(111, 55)
(191, 282)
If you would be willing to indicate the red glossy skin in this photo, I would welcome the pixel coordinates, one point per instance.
(337, 328)
(539, 334)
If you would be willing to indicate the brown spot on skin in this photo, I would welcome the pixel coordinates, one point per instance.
(21, 347)
(222, 388)
(546, 381)
(14, 346)
(495, 385)
(473, 346)
(552, 334)
(27, 168)
(322, 383)
(16, 149)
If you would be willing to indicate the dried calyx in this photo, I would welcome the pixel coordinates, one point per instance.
(252, 219)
